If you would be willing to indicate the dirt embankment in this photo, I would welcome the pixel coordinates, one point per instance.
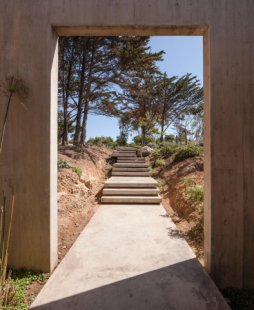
(79, 190)
(182, 189)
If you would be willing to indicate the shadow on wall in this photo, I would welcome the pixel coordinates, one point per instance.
(182, 286)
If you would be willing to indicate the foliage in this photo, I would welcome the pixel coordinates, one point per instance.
(169, 138)
(156, 154)
(148, 139)
(177, 96)
(77, 170)
(186, 151)
(101, 141)
(159, 163)
(121, 140)
(61, 164)
(20, 281)
(167, 150)
(239, 299)
(196, 193)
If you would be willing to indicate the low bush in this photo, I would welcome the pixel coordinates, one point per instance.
(167, 150)
(149, 139)
(102, 141)
(186, 151)
(196, 193)
(169, 138)
(77, 170)
(61, 164)
(159, 163)
(156, 154)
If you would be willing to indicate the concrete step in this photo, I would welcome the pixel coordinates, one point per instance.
(117, 154)
(130, 173)
(130, 191)
(131, 199)
(125, 148)
(125, 169)
(137, 160)
(131, 165)
(131, 182)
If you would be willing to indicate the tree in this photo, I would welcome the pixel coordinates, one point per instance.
(124, 127)
(177, 96)
(67, 61)
(139, 84)
(92, 71)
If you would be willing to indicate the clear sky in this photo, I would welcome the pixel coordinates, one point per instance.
(182, 55)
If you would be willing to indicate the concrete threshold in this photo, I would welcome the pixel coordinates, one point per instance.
(130, 257)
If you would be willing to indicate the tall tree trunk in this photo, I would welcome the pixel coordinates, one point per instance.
(84, 123)
(80, 99)
(66, 101)
(61, 137)
(143, 135)
(163, 116)
(162, 131)
(87, 96)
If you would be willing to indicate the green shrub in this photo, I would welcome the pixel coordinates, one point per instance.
(156, 154)
(101, 141)
(61, 164)
(149, 139)
(186, 151)
(196, 193)
(167, 150)
(169, 138)
(77, 170)
(159, 163)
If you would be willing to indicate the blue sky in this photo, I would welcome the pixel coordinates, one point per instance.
(182, 55)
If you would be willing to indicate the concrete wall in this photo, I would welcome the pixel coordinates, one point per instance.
(28, 41)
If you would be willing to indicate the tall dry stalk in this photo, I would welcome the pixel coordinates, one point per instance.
(7, 290)
(11, 87)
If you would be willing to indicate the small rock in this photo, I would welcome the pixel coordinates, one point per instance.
(144, 151)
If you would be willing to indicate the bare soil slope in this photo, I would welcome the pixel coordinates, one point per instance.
(176, 181)
(78, 195)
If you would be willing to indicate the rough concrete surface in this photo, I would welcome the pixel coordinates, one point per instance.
(128, 182)
(130, 257)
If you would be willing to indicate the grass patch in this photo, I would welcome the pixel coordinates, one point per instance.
(77, 170)
(159, 163)
(21, 279)
(196, 193)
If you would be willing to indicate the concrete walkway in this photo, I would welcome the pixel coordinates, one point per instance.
(130, 256)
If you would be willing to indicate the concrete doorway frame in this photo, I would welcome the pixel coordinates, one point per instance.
(29, 32)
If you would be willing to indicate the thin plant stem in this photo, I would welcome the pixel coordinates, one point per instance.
(10, 224)
(8, 237)
(5, 121)
(3, 238)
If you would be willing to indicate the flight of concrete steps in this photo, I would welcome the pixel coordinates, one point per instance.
(130, 182)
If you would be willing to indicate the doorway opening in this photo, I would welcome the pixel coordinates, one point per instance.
(131, 91)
